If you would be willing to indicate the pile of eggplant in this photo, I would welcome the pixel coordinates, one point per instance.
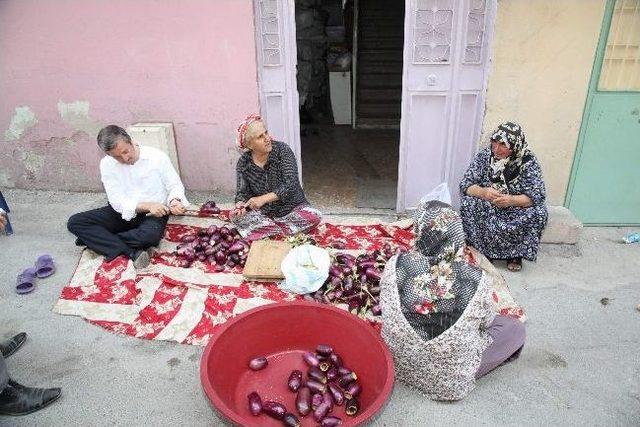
(328, 383)
(355, 281)
(222, 246)
(210, 207)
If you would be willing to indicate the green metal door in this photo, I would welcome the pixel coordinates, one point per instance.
(605, 180)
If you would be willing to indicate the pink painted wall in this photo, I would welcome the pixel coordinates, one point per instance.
(190, 62)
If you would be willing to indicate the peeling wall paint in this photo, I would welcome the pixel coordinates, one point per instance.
(33, 164)
(191, 62)
(22, 120)
(76, 115)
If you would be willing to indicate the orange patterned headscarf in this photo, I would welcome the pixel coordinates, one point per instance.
(242, 129)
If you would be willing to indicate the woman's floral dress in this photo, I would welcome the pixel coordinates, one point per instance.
(504, 233)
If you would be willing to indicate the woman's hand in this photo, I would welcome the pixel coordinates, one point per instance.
(484, 193)
(260, 201)
(255, 203)
(239, 211)
(490, 194)
(504, 201)
(176, 207)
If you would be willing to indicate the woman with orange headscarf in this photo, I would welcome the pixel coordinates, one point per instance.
(269, 198)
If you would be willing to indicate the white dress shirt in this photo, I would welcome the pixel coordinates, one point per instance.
(150, 179)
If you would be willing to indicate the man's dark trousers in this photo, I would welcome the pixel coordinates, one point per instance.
(104, 231)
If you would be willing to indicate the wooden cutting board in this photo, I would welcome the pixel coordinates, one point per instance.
(264, 259)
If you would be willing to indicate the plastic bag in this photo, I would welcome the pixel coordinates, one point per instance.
(305, 269)
(440, 193)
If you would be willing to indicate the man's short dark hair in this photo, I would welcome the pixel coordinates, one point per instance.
(109, 136)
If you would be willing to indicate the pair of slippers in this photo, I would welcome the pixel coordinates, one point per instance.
(44, 267)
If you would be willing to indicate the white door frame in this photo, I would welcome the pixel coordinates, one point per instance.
(448, 88)
(276, 58)
(277, 81)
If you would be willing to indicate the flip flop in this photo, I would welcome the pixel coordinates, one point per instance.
(26, 281)
(45, 266)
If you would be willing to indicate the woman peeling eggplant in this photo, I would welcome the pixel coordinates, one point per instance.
(434, 298)
(269, 198)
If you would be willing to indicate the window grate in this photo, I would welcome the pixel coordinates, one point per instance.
(621, 64)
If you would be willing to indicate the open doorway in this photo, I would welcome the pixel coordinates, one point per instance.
(349, 80)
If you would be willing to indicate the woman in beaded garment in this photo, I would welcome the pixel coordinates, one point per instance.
(269, 198)
(437, 318)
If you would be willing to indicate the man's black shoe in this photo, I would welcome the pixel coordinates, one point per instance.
(10, 346)
(17, 399)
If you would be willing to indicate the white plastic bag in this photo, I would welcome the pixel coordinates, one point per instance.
(440, 193)
(305, 269)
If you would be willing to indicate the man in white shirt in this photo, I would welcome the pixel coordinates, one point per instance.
(142, 188)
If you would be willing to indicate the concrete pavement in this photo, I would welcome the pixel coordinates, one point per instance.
(580, 366)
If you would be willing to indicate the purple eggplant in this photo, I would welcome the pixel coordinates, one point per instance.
(335, 360)
(258, 363)
(202, 257)
(316, 400)
(219, 268)
(255, 403)
(303, 401)
(316, 374)
(221, 258)
(324, 349)
(373, 275)
(236, 247)
(348, 378)
(212, 229)
(351, 407)
(376, 310)
(335, 271)
(347, 271)
(332, 374)
(295, 380)
(347, 284)
(336, 394)
(336, 281)
(310, 359)
(274, 409)
(330, 421)
(224, 230)
(234, 258)
(352, 390)
(290, 420)
(323, 408)
(343, 371)
(188, 238)
(316, 386)
(364, 265)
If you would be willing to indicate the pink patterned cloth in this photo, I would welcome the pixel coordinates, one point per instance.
(186, 305)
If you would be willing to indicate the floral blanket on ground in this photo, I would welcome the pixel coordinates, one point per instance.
(186, 305)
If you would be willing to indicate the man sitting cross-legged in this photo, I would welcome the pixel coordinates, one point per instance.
(142, 188)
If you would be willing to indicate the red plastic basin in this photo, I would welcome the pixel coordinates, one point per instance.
(282, 332)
